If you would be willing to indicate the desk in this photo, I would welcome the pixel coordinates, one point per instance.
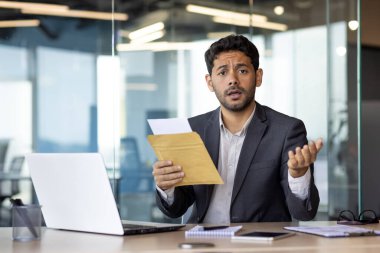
(55, 241)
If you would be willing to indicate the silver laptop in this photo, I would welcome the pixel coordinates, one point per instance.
(75, 194)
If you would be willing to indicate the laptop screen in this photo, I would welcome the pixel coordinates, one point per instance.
(75, 192)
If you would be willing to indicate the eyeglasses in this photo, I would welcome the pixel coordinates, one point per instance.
(347, 217)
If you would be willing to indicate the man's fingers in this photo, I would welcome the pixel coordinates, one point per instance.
(319, 144)
(166, 170)
(168, 180)
(306, 155)
(302, 158)
(292, 161)
(168, 177)
(161, 164)
(316, 146)
(168, 184)
(299, 157)
(168, 174)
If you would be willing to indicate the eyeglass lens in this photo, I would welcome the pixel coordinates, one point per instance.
(346, 215)
(367, 216)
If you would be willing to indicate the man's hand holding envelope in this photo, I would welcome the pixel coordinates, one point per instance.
(182, 160)
(166, 175)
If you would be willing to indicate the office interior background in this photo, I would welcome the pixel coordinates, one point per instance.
(84, 76)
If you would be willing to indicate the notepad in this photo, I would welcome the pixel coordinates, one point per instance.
(335, 231)
(198, 231)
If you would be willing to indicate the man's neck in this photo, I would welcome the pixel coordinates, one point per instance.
(234, 121)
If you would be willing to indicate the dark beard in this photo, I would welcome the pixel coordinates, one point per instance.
(239, 107)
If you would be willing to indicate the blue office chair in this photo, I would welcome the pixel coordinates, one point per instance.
(135, 177)
(14, 170)
(14, 186)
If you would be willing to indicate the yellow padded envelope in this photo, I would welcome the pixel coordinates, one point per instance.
(188, 151)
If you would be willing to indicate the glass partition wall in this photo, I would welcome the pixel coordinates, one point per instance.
(87, 78)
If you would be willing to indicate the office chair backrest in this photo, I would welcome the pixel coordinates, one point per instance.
(3, 152)
(130, 156)
(15, 168)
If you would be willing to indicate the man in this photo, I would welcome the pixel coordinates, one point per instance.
(262, 155)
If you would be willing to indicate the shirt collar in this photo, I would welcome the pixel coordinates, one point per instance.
(244, 128)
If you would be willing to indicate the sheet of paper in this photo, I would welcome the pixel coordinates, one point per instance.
(169, 126)
(333, 231)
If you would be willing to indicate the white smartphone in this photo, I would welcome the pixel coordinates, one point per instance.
(261, 236)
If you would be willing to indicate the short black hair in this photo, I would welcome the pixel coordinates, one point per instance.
(232, 43)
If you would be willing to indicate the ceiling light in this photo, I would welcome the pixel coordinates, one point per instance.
(28, 5)
(353, 25)
(341, 51)
(149, 37)
(223, 13)
(279, 10)
(218, 35)
(77, 14)
(141, 86)
(265, 25)
(61, 11)
(19, 23)
(155, 46)
(146, 30)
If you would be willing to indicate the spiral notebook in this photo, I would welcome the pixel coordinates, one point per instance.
(198, 231)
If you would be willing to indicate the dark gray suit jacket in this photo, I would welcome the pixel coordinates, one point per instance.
(261, 190)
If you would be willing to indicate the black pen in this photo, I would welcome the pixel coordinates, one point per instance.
(215, 227)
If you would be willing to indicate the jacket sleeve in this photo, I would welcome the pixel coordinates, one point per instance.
(299, 209)
(183, 199)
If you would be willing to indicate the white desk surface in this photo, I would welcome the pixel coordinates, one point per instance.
(56, 241)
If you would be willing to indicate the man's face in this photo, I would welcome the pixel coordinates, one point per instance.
(234, 80)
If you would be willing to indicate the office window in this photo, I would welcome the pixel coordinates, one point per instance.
(76, 84)
(66, 102)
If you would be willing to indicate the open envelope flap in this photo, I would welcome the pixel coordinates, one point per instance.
(188, 151)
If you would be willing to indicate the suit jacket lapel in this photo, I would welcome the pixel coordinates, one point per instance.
(255, 132)
(211, 140)
(212, 137)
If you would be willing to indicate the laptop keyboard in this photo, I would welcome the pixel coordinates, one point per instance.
(141, 228)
